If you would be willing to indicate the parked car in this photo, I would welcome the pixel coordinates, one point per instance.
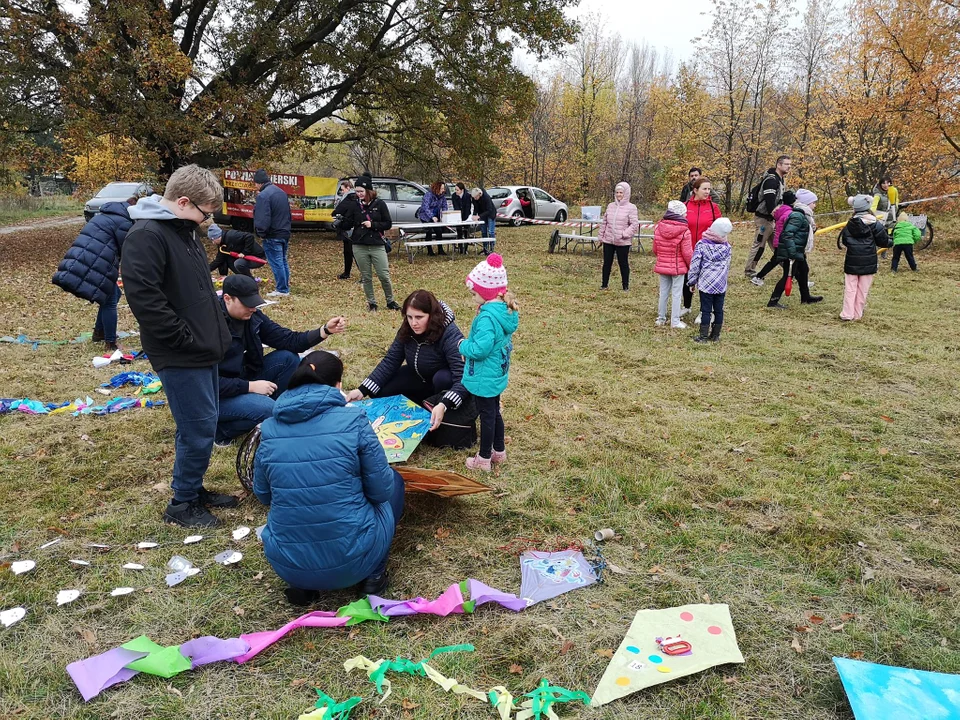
(543, 206)
(403, 197)
(115, 192)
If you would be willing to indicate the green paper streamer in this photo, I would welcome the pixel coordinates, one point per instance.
(546, 695)
(409, 667)
(336, 711)
(164, 662)
(360, 611)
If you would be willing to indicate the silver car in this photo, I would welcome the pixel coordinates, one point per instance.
(403, 197)
(542, 205)
(115, 192)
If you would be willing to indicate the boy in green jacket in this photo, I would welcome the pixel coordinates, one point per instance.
(905, 235)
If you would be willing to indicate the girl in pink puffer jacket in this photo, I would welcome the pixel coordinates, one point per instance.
(673, 246)
(620, 223)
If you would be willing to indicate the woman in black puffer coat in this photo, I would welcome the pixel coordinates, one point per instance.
(91, 267)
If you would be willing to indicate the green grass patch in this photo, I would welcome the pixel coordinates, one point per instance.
(801, 464)
(17, 208)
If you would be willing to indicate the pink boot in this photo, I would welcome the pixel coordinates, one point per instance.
(498, 457)
(478, 463)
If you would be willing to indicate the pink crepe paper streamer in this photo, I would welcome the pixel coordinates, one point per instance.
(450, 602)
(260, 641)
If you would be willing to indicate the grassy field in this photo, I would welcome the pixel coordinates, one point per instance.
(15, 209)
(802, 467)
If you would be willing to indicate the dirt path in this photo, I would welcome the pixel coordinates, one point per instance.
(42, 225)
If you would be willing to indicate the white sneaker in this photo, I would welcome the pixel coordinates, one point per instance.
(699, 318)
(684, 311)
(810, 283)
(679, 325)
(757, 281)
(661, 322)
(277, 294)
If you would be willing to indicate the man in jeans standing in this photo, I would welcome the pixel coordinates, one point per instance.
(272, 220)
(771, 194)
(168, 287)
(485, 210)
(250, 381)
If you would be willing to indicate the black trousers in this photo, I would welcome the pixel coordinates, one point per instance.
(907, 251)
(491, 426)
(622, 253)
(434, 235)
(347, 254)
(711, 304)
(687, 293)
(801, 273)
(406, 382)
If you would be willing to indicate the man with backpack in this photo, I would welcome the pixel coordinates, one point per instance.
(763, 199)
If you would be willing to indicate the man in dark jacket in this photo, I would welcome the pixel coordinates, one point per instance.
(272, 220)
(463, 202)
(345, 209)
(91, 267)
(249, 381)
(485, 210)
(242, 243)
(687, 192)
(771, 193)
(168, 286)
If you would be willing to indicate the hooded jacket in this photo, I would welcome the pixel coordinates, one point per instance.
(244, 358)
(432, 206)
(797, 230)
(168, 286)
(621, 221)
(906, 233)
(235, 241)
(426, 359)
(780, 216)
(91, 266)
(700, 216)
(271, 213)
(672, 245)
(710, 264)
(771, 194)
(324, 475)
(862, 236)
(487, 351)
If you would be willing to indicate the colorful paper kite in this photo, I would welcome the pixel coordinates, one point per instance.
(441, 483)
(80, 406)
(885, 692)
(400, 424)
(546, 575)
(640, 663)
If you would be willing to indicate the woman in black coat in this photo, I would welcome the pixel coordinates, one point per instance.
(370, 219)
(423, 360)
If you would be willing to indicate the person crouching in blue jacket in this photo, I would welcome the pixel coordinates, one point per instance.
(334, 500)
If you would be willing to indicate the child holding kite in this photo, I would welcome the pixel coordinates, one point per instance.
(487, 354)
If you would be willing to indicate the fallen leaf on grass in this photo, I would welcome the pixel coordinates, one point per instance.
(408, 704)
(655, 570)
(502, 494)
(173, 690)
(566, 647)
(884, 451)
(605, 652)
(88, 636)
(868, 574)
(837, 628)
(731, 680)
(160, 487)
(353, 633)
(239, 611)
(803, 629)
(442, 533)
(516, 669)
(813, 617)
(796, 646)
(886, 418)
(846, 476)
(616, 569)
(856, 655)
(258, 576)
(299, 682)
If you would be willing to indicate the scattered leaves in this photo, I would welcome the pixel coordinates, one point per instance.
(812, 617)
(884, 451)
(655, 570)
(605, 652)
(239, 611)
(856, 655)
(796, 646)
(837, 628)
(88, 636)
(516, 669)
(442, 533)
(566, 647)
(299, 682)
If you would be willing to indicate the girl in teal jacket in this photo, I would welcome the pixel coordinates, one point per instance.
(487, 355)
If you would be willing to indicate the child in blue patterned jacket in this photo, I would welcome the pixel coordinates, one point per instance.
(487, 353)
(708, 271)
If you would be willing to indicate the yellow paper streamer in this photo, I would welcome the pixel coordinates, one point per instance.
(317, 714)
(504, 701)
(369, 667)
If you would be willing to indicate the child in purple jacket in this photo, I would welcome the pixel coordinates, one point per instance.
(708, 271)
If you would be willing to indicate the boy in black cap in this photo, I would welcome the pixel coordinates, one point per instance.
(249, 380)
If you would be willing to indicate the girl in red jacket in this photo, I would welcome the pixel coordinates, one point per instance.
(673, 246)
(701, 212)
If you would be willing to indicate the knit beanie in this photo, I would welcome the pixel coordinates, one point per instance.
(677, 208)
(789, 197)
(260, 177)
(722, 227)
(807, 197)
(489, 278)
(214, 231)
(860, 203)
(365, 181)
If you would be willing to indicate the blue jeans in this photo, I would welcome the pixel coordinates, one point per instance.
(489, 230)
(276, 251)
(711, 303)
(107, 318)
(242, 413)
(396, 502)
(193, 395)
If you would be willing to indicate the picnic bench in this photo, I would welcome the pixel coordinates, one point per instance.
(560, 241)
(411, 235)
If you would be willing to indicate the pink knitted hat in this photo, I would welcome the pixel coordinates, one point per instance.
(489, 278)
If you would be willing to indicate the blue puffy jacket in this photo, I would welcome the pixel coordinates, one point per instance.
(324, 474)
(271, 213)
(91, 266)
(487, 351)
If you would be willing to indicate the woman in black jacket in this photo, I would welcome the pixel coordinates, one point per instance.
(428, 342)
(345, 208)
(371, 218)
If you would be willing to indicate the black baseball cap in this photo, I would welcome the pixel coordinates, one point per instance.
(243, 288)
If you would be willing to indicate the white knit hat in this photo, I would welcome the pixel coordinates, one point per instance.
(489, 278)
(677, 208)
(722, 227)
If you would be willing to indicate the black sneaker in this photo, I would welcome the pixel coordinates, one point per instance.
(343, 276)
(394, 305)
(217, 500)
(223, 443)
(375, 584)
(372, 307)
(189, 514)
(776, 304)
(701, 339)
(300, 597)
(812, 299)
